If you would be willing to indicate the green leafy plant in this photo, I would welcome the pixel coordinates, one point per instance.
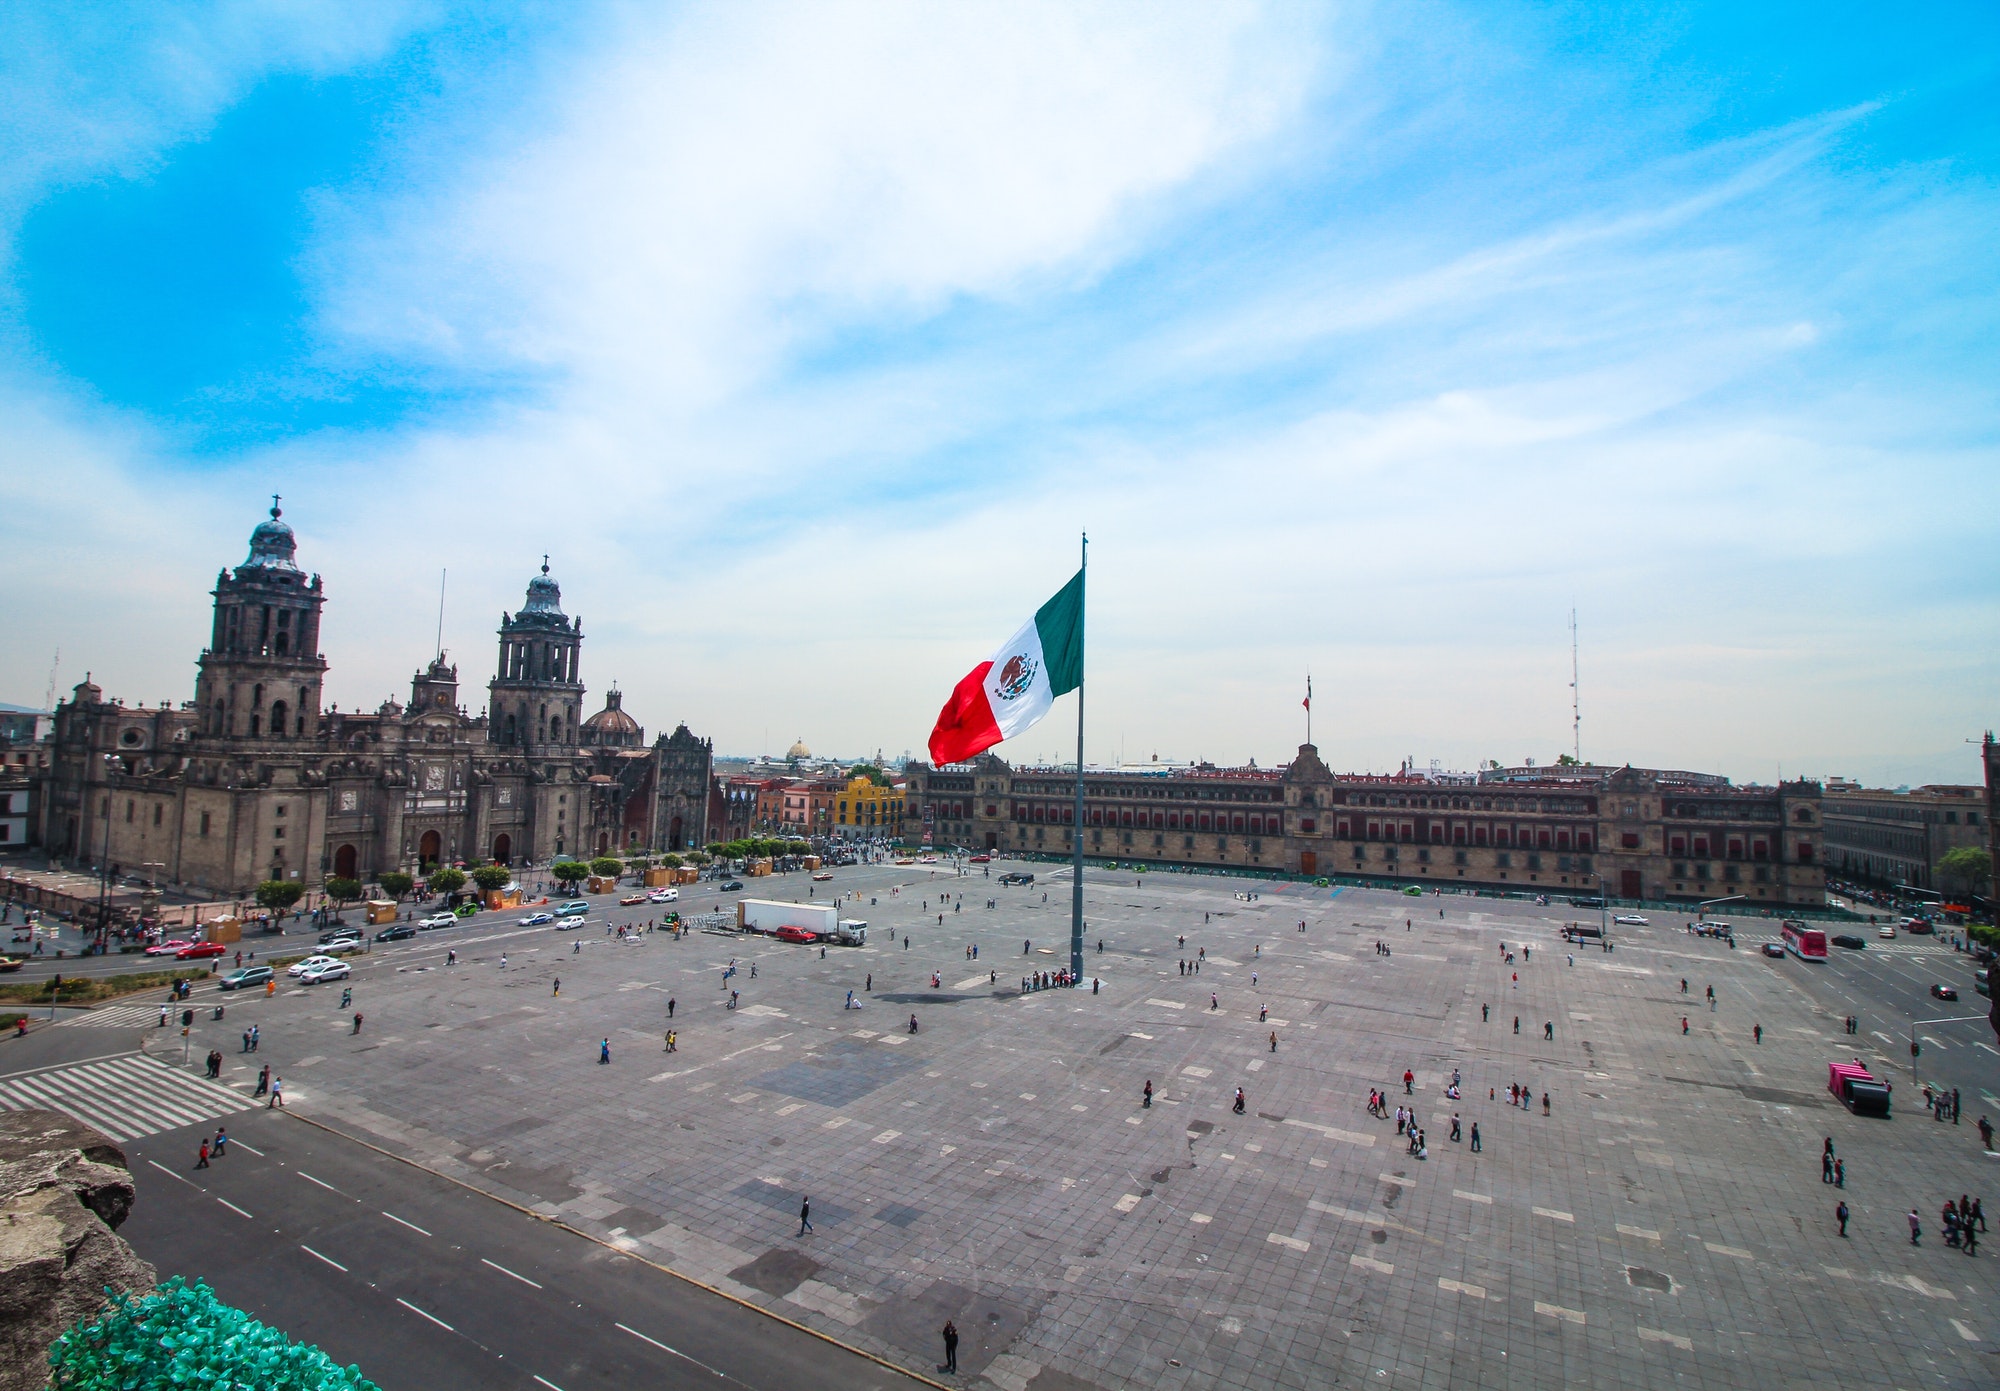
(279, 894)
(396, 883)
(1967, 866)
(492, 878)
(604, 867)
(181, 1335)
(569, 872)
(343, 891)
(447, 880)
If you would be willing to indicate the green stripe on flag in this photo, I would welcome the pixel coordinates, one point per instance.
(1059, 624)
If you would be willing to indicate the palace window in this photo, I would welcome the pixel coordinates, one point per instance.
(1306, 825)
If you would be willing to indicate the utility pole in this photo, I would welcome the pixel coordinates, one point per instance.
(1575, 694)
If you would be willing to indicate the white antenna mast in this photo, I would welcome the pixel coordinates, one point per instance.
(1575, 695)
(441, 578)
(49, 700)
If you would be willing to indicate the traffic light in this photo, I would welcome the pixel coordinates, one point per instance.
(187, 1018)
(1916, 1049)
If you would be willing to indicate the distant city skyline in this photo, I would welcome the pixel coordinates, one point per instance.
(1367, 341)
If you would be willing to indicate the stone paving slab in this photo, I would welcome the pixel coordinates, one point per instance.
(1663, 1226)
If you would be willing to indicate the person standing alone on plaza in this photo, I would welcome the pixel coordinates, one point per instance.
(805, 1214)
(604, 1052)
(950, 1346)
(1840, 1215)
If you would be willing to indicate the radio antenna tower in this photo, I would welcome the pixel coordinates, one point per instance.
(1575, 695)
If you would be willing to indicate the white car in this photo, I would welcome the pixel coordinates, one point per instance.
(664, 896)
(1887, 930)
(328, 970)
(439, 920)
(1629, 920)
(313, 962)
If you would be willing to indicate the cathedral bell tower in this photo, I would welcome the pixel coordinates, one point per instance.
(537, 696)
(261, 673)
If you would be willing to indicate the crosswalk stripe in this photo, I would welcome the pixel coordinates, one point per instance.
(113, 1017)
(126, 1097)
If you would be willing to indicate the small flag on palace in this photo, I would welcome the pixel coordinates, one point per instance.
(1006, 694)
(1309, 693)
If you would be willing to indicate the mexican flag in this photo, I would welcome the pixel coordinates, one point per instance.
(1007, 693)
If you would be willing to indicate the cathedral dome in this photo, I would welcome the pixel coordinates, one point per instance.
(611, 727)
(544, 595)
(799, 750)
(272, 544)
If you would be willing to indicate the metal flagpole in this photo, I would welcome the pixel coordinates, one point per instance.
(1076, 857)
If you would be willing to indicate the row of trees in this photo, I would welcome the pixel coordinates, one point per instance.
(759, 848)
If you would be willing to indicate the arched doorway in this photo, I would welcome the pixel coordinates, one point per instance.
(503, 849)
(429, 847)
(674, 836)
(343, 863)
(604, 842)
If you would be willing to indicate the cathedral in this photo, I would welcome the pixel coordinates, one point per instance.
(254, 779)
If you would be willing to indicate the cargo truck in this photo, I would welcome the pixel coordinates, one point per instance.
(767, 916)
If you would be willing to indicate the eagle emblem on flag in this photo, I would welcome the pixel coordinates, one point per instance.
(1015, 677)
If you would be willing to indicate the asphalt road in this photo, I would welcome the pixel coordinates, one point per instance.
(425, 1284)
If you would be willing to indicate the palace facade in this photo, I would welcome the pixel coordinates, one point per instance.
(1628, 833)
(253, 779)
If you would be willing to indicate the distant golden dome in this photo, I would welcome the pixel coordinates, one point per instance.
(799, 750)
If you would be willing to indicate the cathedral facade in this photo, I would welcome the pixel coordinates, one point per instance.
(253, 779)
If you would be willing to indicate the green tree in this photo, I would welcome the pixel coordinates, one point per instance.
(395, 883)
(447, 880)
(871, 772)
(279, 894)
(492, 878)
(342, 891)
(569, 872)
(671, 860)
(1970, 867)
(604, 867)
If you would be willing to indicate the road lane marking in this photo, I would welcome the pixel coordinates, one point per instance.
(1555, 1214)
(1331, 1133)
(1460, 1287)
(504, 1271)
(238, 1144)
(1292, 1242)
(411, 1225)
(171, 1174)
(328, 1259)
(320, 1181)
(1370, 1263)
(1964, 1332)
(675, 1351)
(415, 1310)
(1655, 1335)
(1643, 1233)
(1556, 1311)
(233, 1208)
(550, 1384)
(1486, 1198)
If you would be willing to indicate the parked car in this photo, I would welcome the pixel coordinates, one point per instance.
(1849, 940)
(1017, 878)
(396, 932)
(342, 944)
(326, 970)
(788, 933)
(1944, 992)
(299, 968)
(246, 977)
(1630, 920)
(436, 920)
(730, 886)
(196, 951)
(631, 900)
(1774, 949)
(339, 935)
(168, 948)
(537, 919)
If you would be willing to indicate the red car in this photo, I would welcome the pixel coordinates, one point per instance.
(168, 948)
(788, 933)
(980, 860)
(195, 951)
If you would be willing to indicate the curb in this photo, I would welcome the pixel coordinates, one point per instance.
(591, 1237)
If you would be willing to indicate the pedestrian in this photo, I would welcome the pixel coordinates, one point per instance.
(1916, 1229)
(1147, 1103)
(1968, 1237)
(1985, 1133)
(1757, 1033)
(201, 1162)
(1483, 1012)
(1840, 1214)
(1238, 1107)
(1549, 1031)
(1455, 1132)
(1684, 1026)
(604, 1052)
(1213, 1003)
(357, 1021)
(503, 960)
(670, 1007)
(1840, 1173)
(1517, 1023)
(558, 988)
(1475, 1137)
(221, 1142)
(277, 1093)
(1274, 1040)
(451, 958)
(805, 1215)
(1954, 1105)
(950, 1347)
(163, 1008)
(1826, 1168)
(1545, 1103)
(263, 1081)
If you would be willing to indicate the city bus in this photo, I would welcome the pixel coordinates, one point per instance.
(1806, 943)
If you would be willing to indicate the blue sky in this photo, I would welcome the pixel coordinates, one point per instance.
(1367, 340)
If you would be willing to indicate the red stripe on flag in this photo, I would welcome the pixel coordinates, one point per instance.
(965, 726)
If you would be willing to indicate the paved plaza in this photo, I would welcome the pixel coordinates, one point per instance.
(1664, 1225)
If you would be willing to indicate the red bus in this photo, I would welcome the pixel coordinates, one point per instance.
(1806, 943)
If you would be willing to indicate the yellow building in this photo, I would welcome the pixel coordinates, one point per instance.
(862, 810)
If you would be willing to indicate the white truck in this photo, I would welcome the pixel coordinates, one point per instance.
(767, 916)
